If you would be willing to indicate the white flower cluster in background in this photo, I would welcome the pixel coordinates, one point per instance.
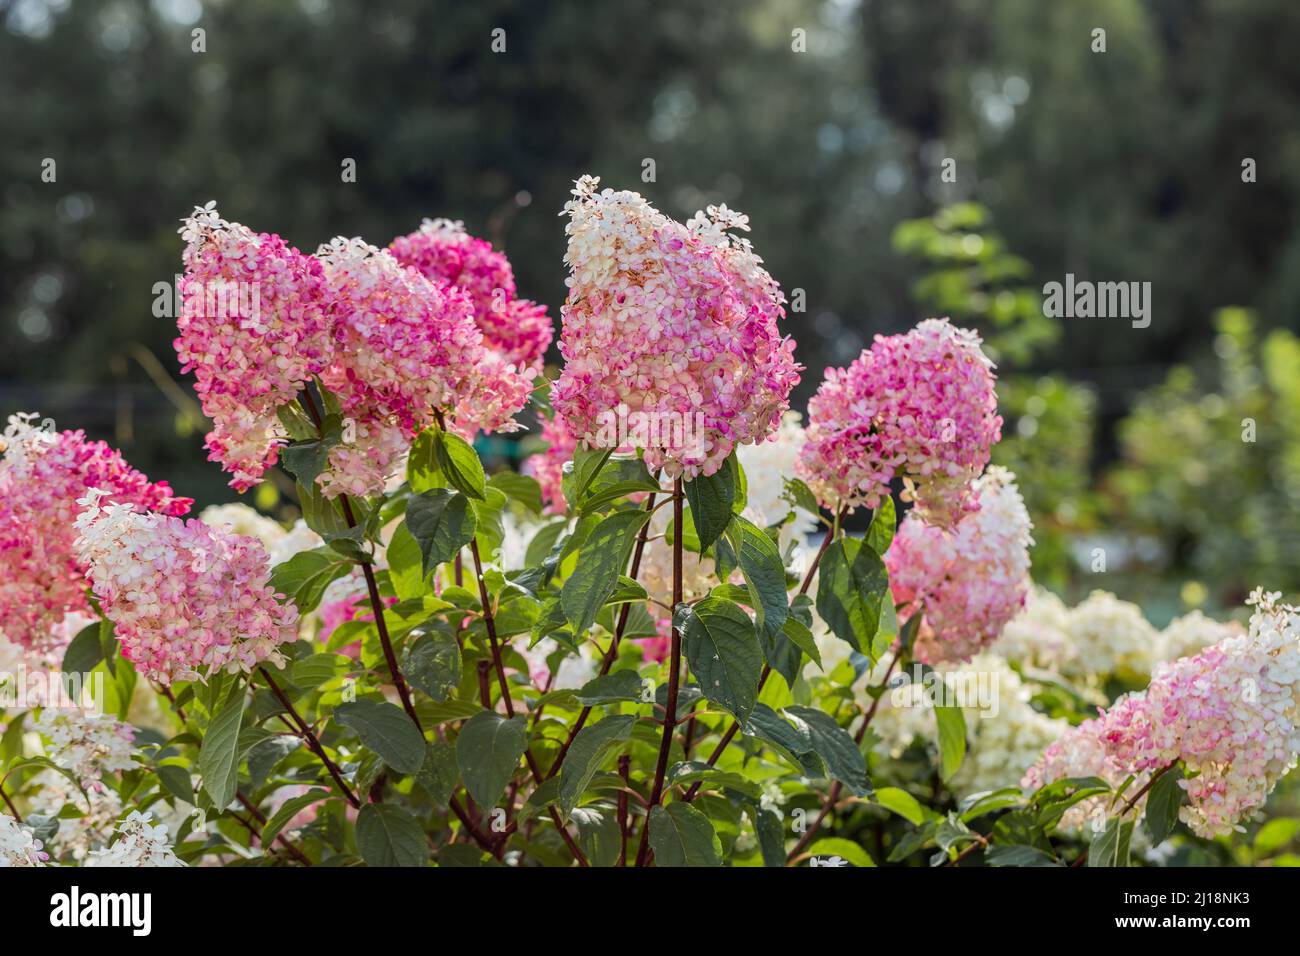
(18, 847)
(141, 842)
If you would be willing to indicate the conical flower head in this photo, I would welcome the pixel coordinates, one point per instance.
(669, 334)
(921, 406)
(253, 330)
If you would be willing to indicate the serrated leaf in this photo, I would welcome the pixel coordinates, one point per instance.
(603, 557)
(952, 739)
(219, 755)
(680, 835)
(459, 464)
(288, 810)
(386, 730)
(711, 498)
(520, 488)
(389, 836)
(439, 774)
(1164, 799)
(836, 747)
(488, 751)
(441, 522)
(851, 583)
(432, 662)
(722, 649)
(618, 686)
(589, 749)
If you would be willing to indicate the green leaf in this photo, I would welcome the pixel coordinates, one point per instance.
(836, 747)
(601, 561)
(1018, 855)
(680, 835)
(1110, 846)
(617, 478)
(760, 563)
(386, 730)
(176, 781)
(770, 830)
(432, 663)
(852, 581)
(520, 488)
(406, 564)
(589, 749)
(389, 836)
(952, 739)
(312, 671)
(1275, 834)
(459, 464)
(1163, 800)
(795, 741)
(723, 653)
(611, 688)
(801, 496)
(902, 803)
(801, 637)
(307, 459)
(488, 751)
(84, 651)
(219, 755)
(422, 471)
(831, 847)
(288, 810)
(598, 835)
(883, 525)
(304, 577)
(579, 474)
(439, 774)
(711, 498)
(441, 522)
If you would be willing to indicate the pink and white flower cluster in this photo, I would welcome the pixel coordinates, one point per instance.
(395, 344)
(87, 746)
(141, 842)
(921, 406)
(42, 474)
(968, 581)
(18, 846)
(187, 599)
(1230, 714)
(253, 329)
(441, 250)
(406, 347)
(676, 322)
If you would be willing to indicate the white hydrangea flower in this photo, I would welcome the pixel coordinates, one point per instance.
(141, 843)
(18, 847)
(1039, 636)
(1110, 636)
(297, 539)
(1191, 633)
(89, 746)
(76, 837)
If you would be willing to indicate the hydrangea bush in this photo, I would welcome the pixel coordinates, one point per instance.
(702, 640)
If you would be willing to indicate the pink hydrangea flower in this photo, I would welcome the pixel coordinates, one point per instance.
(441, 250)
(922, 406)
(42, 474)
(548, 466)
(676, 323)
(187, 599)
(1230, 714)
(405, 348)
(969, 581)
(1080, 752)
(253, 330)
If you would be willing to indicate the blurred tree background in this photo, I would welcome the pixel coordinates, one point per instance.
(827, 122)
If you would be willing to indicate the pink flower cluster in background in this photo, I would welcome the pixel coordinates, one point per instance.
(922, 406)
(547, 466)
(186, 599)
(968, 581)
(1230, 714)
(42, 474)
(673, 321)
(441, 250)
